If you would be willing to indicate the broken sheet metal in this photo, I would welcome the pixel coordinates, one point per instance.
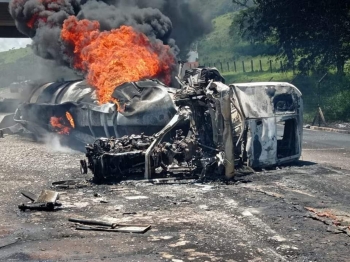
(272, 116)
(96, 225)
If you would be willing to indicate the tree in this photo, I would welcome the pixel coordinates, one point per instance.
(315, 33)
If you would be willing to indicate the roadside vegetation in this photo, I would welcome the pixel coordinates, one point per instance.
(301, 50)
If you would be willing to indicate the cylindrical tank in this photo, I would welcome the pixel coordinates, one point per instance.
(147, 106)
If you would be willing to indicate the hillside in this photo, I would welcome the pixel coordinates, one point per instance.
(215, 8)
(217, 46)
(12, 56)
(21, 64)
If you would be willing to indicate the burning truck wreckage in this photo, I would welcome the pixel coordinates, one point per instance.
(202, 128)
(142, 119)
(125, 110)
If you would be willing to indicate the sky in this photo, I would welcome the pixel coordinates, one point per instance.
(9, 43)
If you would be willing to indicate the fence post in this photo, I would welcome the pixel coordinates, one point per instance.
(228, 67)
(214, 64)
(281, 65)
(252, 65)
(221, 67)
(209, 64)
(271, 66)
(234, 63)
(243, 66)
(260, 66)
(293, 65)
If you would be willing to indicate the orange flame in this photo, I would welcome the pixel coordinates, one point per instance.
(114, 57)
(70, 119)
(58, 125)
(50, 6)
(32, 21)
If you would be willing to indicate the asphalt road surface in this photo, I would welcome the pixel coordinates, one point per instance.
(327, 148)
(294, 213)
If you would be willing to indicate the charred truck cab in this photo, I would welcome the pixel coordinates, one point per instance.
(271, 115)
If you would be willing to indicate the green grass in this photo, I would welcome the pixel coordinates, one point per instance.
(217, 46)
(13, 56)
(232, 77)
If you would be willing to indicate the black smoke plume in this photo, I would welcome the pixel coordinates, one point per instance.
(175, 23)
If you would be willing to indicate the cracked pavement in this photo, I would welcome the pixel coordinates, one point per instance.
(263, 216)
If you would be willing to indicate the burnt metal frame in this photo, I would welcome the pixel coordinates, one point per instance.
(184, 113)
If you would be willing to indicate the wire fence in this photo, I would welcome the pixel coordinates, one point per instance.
(329, 92)
(246, 66)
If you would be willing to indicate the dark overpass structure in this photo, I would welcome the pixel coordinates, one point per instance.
(7, 24)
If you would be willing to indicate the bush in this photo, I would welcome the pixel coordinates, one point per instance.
(253, 50)
(337, 107)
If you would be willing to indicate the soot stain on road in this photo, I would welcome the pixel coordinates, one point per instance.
(262, 217)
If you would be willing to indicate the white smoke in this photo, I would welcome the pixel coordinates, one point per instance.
(53, 143)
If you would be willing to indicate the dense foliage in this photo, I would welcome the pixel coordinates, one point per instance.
(315, 35)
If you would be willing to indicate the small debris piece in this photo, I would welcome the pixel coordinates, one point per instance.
(136, 197)
(123, 229)
(48, 196)
(37, 206)
(90, 222)
(70, 184)
(47, 201)
(129, 213)
(109, 227)
(29, 195)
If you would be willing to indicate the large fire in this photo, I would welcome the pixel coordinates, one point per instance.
(114, 57)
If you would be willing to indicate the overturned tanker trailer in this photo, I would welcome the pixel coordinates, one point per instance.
(217, 127)
(71, 109)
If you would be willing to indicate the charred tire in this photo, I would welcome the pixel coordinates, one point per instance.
(83, 167)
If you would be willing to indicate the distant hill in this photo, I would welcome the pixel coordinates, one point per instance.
(14, 55)
(217, 46)
(215, 8)
(22, 64)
